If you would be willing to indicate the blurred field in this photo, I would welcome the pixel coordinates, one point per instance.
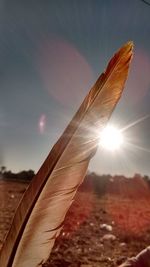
(85, 240)
(10, 195)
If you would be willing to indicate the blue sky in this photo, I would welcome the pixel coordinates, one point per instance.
(51, 53)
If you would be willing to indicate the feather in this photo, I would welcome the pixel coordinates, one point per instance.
(40, 215)
(141, 260)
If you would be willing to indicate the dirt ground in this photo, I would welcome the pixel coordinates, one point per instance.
(98, 231)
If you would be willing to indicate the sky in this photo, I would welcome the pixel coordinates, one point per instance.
(51, 53)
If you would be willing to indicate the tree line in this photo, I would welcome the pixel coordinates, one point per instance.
(20, 176)
(100, 184)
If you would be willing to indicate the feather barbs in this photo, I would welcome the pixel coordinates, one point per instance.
(39, 218)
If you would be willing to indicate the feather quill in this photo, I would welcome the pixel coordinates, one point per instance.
(40, 215)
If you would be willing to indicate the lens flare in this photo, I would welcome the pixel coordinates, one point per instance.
(111, 138)
(42, 123)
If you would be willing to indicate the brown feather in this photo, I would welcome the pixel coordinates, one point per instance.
(40, 215)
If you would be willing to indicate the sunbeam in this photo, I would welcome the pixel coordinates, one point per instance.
(135, 123)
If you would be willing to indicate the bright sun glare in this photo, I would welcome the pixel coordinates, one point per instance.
(111, 138)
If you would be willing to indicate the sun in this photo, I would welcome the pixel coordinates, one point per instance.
(111, 138)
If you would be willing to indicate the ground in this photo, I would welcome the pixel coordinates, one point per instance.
(98, 231)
